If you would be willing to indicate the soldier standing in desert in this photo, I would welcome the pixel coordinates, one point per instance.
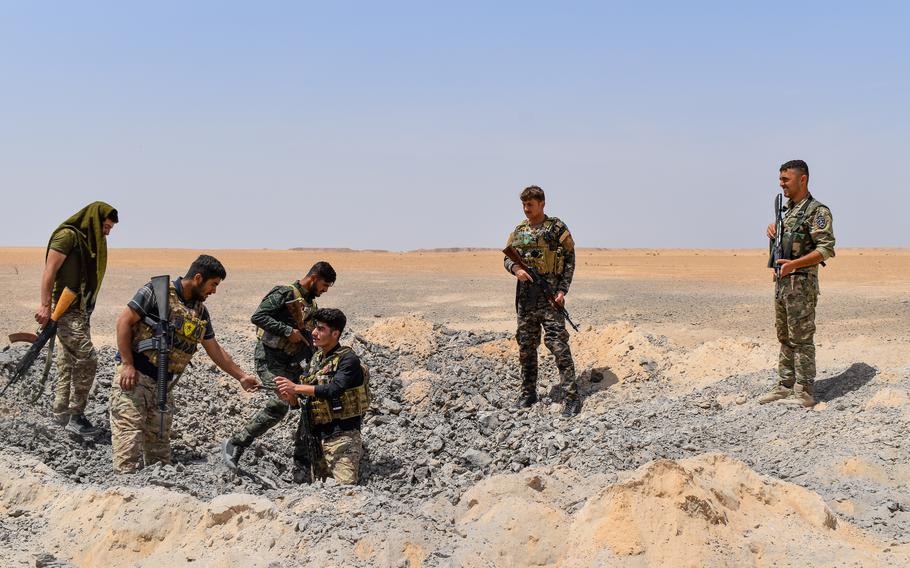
(807, 241)
(76, 258)
(546, 245)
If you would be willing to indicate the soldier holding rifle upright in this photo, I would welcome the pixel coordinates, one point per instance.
(807, 240)
(135, 413)
(544, 244)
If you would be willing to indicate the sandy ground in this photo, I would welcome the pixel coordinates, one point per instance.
(695, 317)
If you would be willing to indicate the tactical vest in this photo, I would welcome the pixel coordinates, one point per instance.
(300, 310)
(189, 328)
(545, 247)
(352, 402)
(797, 237)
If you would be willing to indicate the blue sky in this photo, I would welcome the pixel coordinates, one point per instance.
(406, 125)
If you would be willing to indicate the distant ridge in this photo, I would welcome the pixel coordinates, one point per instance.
(335, 249)
(455, 249)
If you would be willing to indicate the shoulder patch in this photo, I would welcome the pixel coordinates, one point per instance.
(821, 221)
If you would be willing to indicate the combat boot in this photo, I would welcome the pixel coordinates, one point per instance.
(526, 400)
(779, 392)
(572, 407)
(802, 396)
(230, 453)
(80, 426)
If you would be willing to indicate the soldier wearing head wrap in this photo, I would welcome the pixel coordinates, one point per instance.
(284, 325)
(546, 245)
(76, 258)
(807, 241)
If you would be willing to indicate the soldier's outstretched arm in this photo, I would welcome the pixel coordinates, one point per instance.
(226, 363)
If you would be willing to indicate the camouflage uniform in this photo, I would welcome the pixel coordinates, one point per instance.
(135, 421)
(77, 362)
(134, 414)
(335, 415)
(550, 250)
(809, 226)
(275, 356)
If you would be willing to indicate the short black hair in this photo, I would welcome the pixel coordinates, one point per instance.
(533, 192)
(113, 216)
(208, 266)
(332, 317)
(796, 165)
(323, 270)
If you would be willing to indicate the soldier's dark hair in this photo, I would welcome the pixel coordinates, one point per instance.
(113, 216)
(532, 192)
(323, 270)
(332, 317)
(208, 267)
(798, 165)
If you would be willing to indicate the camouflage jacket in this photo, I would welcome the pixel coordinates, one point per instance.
(549, 248)
(273, 315)
(808, 226)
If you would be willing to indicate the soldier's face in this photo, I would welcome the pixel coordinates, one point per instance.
(107, 226)
(533, 208)
(202, 289)
(320, 287)
(324, 336)
(791, 181)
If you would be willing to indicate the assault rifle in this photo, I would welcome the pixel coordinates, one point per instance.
(38, 341)
(305, 465)
(775, 247)
(164, 337)
(538, 281)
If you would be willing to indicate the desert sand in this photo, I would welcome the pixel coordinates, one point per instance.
(671, 463)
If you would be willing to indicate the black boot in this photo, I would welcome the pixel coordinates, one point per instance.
(526, 400)
(572, 407)
(80, 426)
(230, 453)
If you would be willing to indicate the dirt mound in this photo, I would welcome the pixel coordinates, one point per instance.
(710, 510)
(411, 334)
(719, 359)
(888, 398)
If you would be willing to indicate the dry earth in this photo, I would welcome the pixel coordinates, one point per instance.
(671, 462)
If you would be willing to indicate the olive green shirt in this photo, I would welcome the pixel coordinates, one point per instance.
(70, 273)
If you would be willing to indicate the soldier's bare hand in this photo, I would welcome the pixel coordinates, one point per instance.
(43, 314)
(296, 336)
(128, 377)
(285, 388)
(523, 275)
(786, 267)
(772, 231)
(560, 299)
(249, 384)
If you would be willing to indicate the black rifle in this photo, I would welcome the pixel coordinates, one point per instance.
(538, 281)
(49, 331)
(775, 247)
(305, 462)
(164, 336)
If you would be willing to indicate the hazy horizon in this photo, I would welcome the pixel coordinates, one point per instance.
(406, 125)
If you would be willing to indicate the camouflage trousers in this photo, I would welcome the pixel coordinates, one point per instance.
(270, 363)
(135, 423)
(794, 308)
(531, 320)
(341, 454)
(77, 362)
